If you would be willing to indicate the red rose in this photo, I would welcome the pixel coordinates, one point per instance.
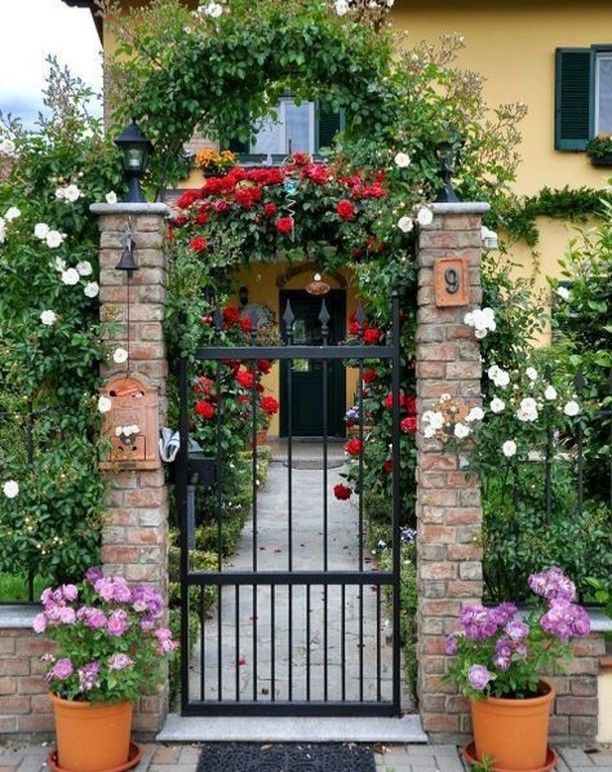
(374, 191)
(244, 399)
(354, 328)
(270, 209)
(409, 424)
(369, 375)
(246, 197)
(178, 222)
(245, 324)
(187, 198)
(300, 159)
(388, 466)
(205, 410)
(284, 224)
(202, 217)
(221, 206)
(410, 404)
(203, 385)
(245, 378)
(264, 366)
(388, 401)
(371, 335)
(345, 209)
(269, 405)
(231, 315)
(354, 447)
(318, 173)
(198, 244)
(342, 492)
(374, 246)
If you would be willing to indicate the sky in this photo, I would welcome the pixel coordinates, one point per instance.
(29, 31)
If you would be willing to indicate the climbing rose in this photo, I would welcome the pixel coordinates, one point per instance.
(198, 244)
(284, 225)
(410, 404)
(264, 366)
(402, 160)
(405, 224)
(48, 318)
(572, 408)
(353, 447)
(245, 324)
(371, 335)
(345, 209)
(231, 315)
(269, 405)
(509, 448)
(205, 410)
(342, 492)
(221, 207)
(388, 466)
(70, 277)
(245, 378)
(10, 489)
(270, 209)
(409, 424)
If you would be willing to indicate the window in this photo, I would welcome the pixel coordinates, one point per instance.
(304, 127)
(583, 95)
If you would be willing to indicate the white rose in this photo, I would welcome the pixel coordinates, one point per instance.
(84, 268)
(469, 319)
(462, 431)
(475, 414)
(434, 419)
(70, 277)
(497, 405)
(488, 317)
(41, 229)
(12, 213)
(528, 410)
(2, 230)
(425, 216)
(501, 379)
(492, 371)
(59, 264)
(405, 224)
(111, 196)
(563, 293)
(60, 194)
(214, 10)
(7, 147)
(120, 355)
(119, 430)
(509, 448)
(480, 334)
(402, 160)
(72, 193)
(11, 489)
(572, 408)
(104, 404)
(48, 318)
(91, 289)
(54, 239)
(550, 393)
(341, 7)
(428, 431)
(531, 373)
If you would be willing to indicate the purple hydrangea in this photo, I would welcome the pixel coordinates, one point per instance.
(516, 630)
(105, 589)
(93, 574)
(119, 662)
(450, 645)
(69, 591)
(92, 617)
(501, 663)
(117, 623)
(147, 600)
(62, 669)
(564, 619)
(479, 677)
(553, 585)
(88, 676)
(39, 623)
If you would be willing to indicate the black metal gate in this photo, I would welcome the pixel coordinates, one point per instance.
(307, 637)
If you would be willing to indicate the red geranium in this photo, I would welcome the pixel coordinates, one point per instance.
(205, 409)
(198, 244)
(388, 466)
(245, 378)
(269, 405)
(345, 209)
(369, 375)
(264, 366)
(270, 209)
(354, 447)
(187, 198)
(342, 492)
(231, 315)
(371, 335)
(409, 424)
(284, 224)
(245, 324)
(410, 404)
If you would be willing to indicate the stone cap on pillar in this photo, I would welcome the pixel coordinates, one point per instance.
(462, 207)
(129, 208)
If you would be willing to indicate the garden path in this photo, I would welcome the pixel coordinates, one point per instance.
(309, 637)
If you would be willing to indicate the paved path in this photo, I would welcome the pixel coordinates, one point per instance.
(396, 758)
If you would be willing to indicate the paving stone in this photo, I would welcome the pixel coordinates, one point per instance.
(575, 757)
(34, 763)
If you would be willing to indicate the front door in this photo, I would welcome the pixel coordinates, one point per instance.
(306, 377)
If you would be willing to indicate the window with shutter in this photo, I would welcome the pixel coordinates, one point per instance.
(573, 98)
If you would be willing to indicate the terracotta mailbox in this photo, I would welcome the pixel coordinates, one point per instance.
(132, 423)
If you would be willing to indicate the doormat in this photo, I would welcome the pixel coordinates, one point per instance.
(286, 757)
(314, 463)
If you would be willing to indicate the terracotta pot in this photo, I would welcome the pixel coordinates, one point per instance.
(92, 738)
(514, 733)
(260, 439)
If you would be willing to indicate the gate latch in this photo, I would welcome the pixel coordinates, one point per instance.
(200, 469)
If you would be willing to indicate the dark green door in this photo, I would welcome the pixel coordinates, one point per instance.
(307, 375)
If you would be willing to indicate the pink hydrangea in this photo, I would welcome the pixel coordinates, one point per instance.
(117, 623)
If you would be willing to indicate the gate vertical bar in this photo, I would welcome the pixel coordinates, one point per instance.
(181, 491)
(288, 318)
(325, 317)
(395, 456)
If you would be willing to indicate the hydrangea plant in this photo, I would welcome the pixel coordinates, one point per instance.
(110, 639)
(501, 652)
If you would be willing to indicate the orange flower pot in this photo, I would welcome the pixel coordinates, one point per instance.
(514, 733)
(92, 738)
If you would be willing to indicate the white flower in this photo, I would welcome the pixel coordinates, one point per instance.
(434, 418)
(48, 318)
(104, 404)
(2, 230)
(528, 410)
(72, 193)
(120, 355)
(214, 10)
(41, 229)
(493, 370)
(59, 264)
(497, 405)
(402, 160)
(501, 378)
(550, 393)
(509, 448)
(341, 7)
(54, 239)
(462, 431)
(572, 408)
(12, 213)
(91, 289)
(70, 277)
(7, 147)
(84, 268)
(531, 373)
(60, 194)
(11, 489)
(475, 414)
(405, 224)
(425, 216)
(445, 397)
(111, 196)
(563, 293)
(480, 334)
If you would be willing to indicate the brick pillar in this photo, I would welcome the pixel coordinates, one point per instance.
(449, 515)
(135, 531)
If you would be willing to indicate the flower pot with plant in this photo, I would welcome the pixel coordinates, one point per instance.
(214, 162)
(599, 150)
(500, 655)
(110, 641)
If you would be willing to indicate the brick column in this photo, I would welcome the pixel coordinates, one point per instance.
(449, 515)
(135, 531)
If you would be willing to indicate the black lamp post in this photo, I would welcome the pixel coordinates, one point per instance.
(447, 153)
(136, 149)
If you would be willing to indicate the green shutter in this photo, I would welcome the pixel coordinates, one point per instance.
(328, 125)
(573, 98)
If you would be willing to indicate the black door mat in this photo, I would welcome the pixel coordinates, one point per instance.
(286, 757)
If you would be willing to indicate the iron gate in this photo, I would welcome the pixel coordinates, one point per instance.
(291, 635)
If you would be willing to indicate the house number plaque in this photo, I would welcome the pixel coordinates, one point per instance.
(451, 281)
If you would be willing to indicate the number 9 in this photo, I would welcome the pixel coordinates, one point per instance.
(451, 277)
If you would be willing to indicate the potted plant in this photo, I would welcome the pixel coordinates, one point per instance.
(215, 163)
(600, 150)
(500, 655)
(110, 640)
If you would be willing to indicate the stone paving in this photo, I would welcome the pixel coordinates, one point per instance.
(394, 758)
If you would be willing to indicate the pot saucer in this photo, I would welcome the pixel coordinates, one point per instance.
(134, 757)
(552, 757)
